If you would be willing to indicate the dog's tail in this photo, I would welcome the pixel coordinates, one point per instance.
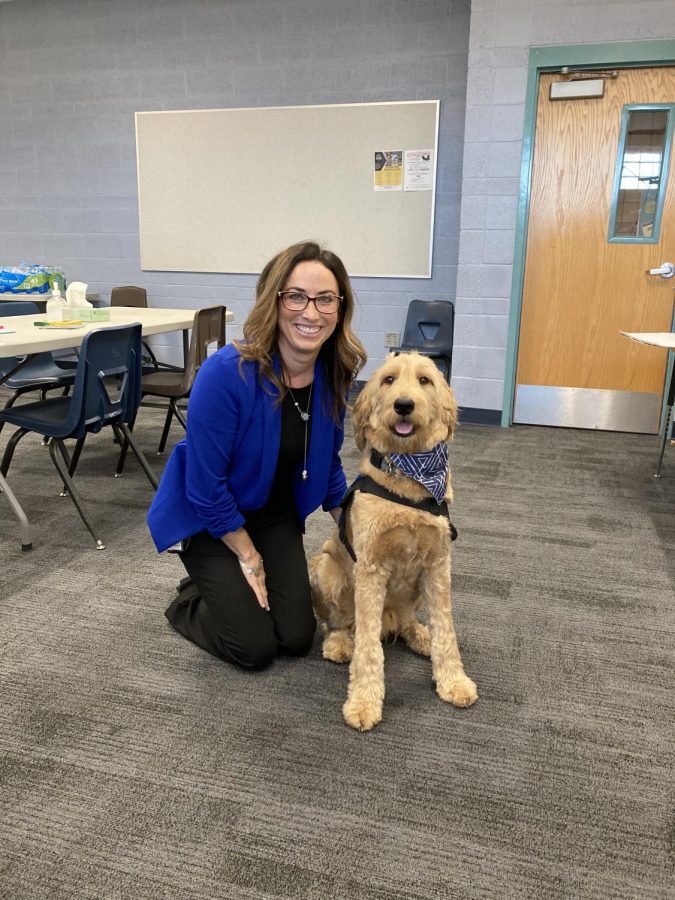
(391, 627)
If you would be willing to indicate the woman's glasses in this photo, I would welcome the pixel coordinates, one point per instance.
(296, 301)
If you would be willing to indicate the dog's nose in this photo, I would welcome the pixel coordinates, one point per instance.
(404, 406)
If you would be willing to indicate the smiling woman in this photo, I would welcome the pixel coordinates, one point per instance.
(305, 323)
(261, 452)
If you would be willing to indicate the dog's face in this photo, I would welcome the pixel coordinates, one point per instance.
(406, 406)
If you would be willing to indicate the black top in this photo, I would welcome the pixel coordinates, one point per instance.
(280, 506)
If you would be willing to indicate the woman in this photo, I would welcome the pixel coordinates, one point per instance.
(261, 452)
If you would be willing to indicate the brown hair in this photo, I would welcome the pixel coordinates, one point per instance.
(342, 355)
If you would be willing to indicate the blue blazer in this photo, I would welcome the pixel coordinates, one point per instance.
(226, 463)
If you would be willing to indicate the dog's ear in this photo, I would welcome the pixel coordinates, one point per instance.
(450, 409)
(361, 414)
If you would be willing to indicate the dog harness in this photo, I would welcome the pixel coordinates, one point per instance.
(367, 485)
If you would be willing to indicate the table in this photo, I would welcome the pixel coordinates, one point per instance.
(27, 339)
(665, 340)
(39, 299)
(21, 337)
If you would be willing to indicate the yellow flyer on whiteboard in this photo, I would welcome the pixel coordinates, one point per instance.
(388, 174)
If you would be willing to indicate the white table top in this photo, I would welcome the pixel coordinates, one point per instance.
(26, 338)
(664, 339)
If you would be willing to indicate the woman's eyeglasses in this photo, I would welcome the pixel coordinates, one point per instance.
(296, 301)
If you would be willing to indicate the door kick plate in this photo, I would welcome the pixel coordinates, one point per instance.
(605, 410)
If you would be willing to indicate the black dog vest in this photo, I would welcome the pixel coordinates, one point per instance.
(367, 485)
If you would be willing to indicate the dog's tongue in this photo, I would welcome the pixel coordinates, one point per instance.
(403, 427)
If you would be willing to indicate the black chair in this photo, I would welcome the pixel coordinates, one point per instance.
(129, 295)
(208, 331)
(40, 373)
(107, 391)
(132, 295)
(430, 329)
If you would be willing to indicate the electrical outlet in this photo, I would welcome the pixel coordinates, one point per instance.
(392, 338)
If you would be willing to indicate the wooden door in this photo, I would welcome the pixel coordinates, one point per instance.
(581, 290)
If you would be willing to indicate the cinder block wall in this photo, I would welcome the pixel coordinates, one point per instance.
(74, 72)
(502, 31)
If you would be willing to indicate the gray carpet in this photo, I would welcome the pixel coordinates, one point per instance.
(133, 765)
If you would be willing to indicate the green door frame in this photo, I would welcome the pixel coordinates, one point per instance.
(546, 59)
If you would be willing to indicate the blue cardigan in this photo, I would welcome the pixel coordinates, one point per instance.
(225, 466)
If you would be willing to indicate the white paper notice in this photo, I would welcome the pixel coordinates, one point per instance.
(418, 167)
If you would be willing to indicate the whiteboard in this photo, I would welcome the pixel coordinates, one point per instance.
(224, 190)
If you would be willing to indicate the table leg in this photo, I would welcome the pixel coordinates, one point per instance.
(26, 537)
(666, 428)
(186, 346)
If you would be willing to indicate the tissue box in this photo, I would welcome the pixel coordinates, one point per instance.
(95, 314)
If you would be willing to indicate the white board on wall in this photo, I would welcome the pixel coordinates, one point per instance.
(223, 190)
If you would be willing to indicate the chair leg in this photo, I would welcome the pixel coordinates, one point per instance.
(666, 428)
(151, 356)
(124, 434)
(77, 452)
(24, 524)
(178, 414)
(73, 460)
(124, 448)
(61, 467)
(12, 400)
(165, 430)
(9, 450)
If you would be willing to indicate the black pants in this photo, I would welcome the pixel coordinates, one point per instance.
(221, 613)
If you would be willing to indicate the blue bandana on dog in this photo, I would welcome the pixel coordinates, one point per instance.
(429, 468)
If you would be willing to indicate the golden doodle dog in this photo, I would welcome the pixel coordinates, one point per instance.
(396, 526)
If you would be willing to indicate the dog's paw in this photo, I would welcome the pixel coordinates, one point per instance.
(418, 639)
(460, 691)
(362, 714)
(338, 646)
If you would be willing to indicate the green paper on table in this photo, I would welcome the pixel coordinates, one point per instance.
(92, 314)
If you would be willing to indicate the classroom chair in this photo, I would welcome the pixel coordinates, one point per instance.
(106, 391)
(131, 295)
(429, 329)
(40, 373)
(208, 331)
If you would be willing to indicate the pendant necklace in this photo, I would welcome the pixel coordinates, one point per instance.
(304, 415)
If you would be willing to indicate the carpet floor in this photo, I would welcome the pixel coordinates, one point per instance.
(133, 766)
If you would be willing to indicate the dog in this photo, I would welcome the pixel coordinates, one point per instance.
(402, 419)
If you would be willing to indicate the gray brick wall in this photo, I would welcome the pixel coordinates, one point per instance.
(74, 72)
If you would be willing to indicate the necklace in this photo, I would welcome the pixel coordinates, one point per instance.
(305, 416)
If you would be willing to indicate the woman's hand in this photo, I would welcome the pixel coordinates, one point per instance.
(254, 573)
(250, 561)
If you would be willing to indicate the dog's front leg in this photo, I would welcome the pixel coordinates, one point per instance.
(452, 684)
(363, 708)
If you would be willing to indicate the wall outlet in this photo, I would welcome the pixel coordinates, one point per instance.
(392, 338)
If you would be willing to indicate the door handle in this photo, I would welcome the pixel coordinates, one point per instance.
(665, 270)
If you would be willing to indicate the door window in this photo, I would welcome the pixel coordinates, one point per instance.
(641, 174)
